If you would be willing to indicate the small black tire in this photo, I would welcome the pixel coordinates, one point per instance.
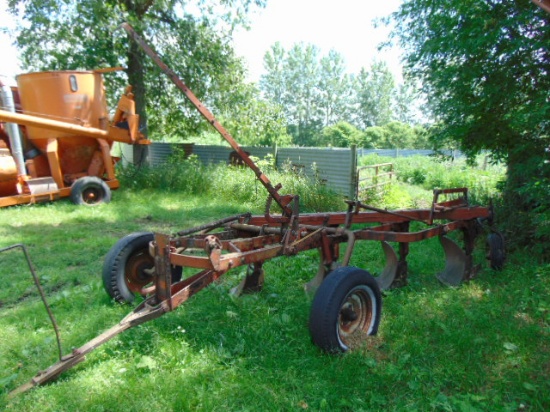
(126, 265)
(496, 251)
(347, 307)
(90, 191)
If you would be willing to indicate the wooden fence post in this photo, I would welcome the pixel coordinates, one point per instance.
(353, 172)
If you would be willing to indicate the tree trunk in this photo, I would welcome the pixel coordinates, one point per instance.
(136, 77)
(525, 199)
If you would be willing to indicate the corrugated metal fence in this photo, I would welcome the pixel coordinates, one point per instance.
(335, 166)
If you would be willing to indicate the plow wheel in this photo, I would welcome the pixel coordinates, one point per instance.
(346, 309)
(128, 268)
(496, 253)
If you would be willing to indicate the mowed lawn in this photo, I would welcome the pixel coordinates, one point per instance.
(481, 346)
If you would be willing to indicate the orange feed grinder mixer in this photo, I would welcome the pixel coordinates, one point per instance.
(56, 137)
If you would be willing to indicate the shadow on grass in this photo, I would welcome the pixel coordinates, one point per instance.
(481, 346)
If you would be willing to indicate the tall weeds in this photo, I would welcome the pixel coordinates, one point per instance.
(233, 184)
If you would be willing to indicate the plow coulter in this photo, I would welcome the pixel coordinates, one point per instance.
(348, 302)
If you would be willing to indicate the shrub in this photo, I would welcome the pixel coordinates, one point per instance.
(234, 184)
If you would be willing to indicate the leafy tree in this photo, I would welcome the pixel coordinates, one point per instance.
(399, 135)
(341, 134)
(313, 91)
(395, 135)
(485, 67)
(374, 90)
(334, 89)
(302, 97)
(374, 138)
(191, 35)
(422, 138)
(405, 103)
(256, 121)
(274, 82)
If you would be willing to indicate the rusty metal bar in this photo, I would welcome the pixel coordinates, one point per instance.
(213, 225)
(141, 314)
(282, 201)
(41, 292)
(543, 4)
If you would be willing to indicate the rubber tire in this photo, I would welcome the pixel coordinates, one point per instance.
(325, 311)
(83, 189)
(497, 253)
(114, 266)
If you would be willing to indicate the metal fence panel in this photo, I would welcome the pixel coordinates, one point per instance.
(407, 152)
(159, 152)
(336, 167)
(220, 154)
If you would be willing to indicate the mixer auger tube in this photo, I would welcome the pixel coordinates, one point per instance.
(6, 101)
(282, 201)
(58, 126)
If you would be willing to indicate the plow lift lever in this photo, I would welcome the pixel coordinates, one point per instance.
(282, 201)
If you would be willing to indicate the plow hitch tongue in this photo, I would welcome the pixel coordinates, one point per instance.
(347, 304)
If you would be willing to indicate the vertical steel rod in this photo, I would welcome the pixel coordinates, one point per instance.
(41, 292)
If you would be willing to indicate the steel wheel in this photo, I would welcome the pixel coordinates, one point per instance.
(356, 313)
(128, 268)
(137, 273)
(496, 252)
(345, 310)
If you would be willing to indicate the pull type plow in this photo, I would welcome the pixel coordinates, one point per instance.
(347, 303)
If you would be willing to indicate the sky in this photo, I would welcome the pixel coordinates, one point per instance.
(344, 25)
(9, 64)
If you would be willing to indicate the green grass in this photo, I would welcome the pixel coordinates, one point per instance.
(482, 346)
(427, 173)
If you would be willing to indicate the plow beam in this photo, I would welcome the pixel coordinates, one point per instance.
(141, 314)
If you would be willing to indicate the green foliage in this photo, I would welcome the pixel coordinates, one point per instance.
(483, 180)
(177, 174)
(255, 121)
(316, 93)
(526, 197)
(192, 38)
(374, 137)
(395, 135)
(484, 66)
(341, 134)
(478, 70)
(231, 184)
(374, 95)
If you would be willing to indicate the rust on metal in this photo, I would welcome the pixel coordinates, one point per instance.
(245, 240)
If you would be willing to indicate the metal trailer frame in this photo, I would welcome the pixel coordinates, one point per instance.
(245, 239)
